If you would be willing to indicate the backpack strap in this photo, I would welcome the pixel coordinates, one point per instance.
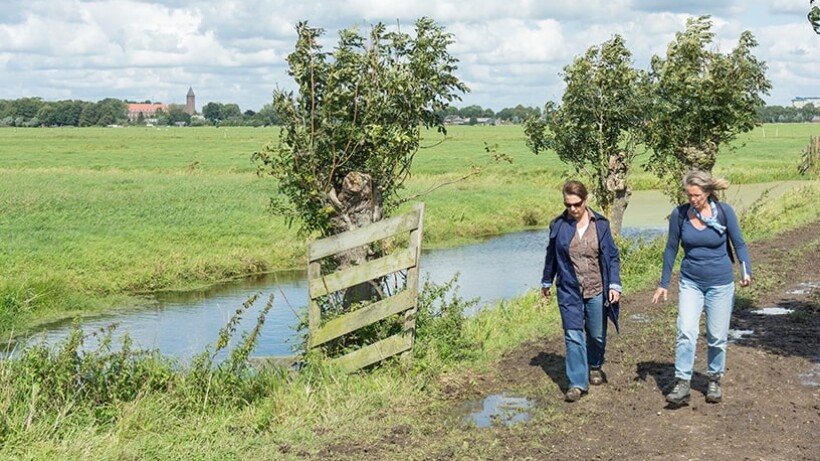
(723, 220)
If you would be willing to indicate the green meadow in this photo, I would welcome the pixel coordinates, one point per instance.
(92, 219)
(95, 218)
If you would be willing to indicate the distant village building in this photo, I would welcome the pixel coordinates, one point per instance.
(148, 111)
(190, 102)
(799, 102)
(455, 120)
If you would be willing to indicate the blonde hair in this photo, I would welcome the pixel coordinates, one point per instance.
(705, 181)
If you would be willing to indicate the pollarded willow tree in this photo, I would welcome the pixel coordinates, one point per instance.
(703, 100)
(599, 124)
(351, 130)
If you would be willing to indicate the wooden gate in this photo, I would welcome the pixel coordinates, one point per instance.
(404, 302)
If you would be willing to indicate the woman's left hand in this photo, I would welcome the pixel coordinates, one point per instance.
(614, 296)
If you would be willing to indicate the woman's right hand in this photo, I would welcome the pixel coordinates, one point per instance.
(660, 292)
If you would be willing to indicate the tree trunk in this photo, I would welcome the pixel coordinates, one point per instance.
(357, 204)
(618, 189)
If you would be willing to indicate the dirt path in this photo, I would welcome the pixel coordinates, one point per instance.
(771, 405)
(770, 409)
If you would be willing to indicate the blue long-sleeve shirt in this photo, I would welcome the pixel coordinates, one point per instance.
(705, 253)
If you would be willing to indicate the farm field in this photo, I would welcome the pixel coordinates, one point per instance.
(93, 218)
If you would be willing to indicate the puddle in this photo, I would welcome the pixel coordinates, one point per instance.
(640, 318)
(773, 311)
(804, 288)
(736, 335)
(811, 376)
(497, 409)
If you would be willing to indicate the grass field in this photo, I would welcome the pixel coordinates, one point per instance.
(92, 217)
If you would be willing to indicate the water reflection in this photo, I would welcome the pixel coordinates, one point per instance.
(182, 324)
(497, 409)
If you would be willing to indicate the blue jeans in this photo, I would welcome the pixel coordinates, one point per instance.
(718, 301)
(585, 348)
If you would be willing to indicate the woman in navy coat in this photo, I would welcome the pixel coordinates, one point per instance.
(584, 263)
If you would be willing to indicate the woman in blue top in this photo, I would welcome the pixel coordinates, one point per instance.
(583, 260)
(704, 228)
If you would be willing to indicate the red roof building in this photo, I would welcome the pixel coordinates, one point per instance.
(147, 110)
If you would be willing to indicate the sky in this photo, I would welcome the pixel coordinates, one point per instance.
(234, 51)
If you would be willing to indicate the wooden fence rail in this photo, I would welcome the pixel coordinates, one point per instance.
(405, 302)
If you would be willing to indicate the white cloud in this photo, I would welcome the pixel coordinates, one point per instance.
(234, 50)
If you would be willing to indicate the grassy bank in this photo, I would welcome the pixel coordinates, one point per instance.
(106, 408)
(92, 218)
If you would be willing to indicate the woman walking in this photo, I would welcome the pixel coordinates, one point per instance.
(706, 229)
(583, 260)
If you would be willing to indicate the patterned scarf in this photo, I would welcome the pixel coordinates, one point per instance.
(712, 221)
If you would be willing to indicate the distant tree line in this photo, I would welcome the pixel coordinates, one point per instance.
(513, 115)
(788, 114)
(35, 112)
(31, 112)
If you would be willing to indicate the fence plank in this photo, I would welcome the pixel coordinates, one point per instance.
(363, 235)
(413, 280)
(363, 317)
(361, 273)
(375, 352)
(314, 311)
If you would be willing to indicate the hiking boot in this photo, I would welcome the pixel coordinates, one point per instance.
(573, 394)
(680, 393)
(713, 394)
(596, 377)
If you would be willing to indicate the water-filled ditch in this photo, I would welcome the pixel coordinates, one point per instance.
(181, 324)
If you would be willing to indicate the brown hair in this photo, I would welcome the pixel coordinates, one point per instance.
(573, 187)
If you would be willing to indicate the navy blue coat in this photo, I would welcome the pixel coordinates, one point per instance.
(558, 266)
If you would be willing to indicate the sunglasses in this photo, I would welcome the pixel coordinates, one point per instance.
(574, 205)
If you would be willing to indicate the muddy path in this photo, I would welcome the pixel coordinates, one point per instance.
(770, 409)
(771, 405)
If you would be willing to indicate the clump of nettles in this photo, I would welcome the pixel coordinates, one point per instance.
(84, 376)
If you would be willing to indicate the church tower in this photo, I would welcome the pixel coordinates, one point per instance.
(190, 102)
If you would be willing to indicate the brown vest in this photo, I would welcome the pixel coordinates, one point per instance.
(585, 255)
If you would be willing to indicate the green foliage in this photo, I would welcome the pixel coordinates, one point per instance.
(233, 380)
(814, 17)
(69, 378)
(599, 124)
(440, 323)
(704, 100)
(360, 109)
(86, 375)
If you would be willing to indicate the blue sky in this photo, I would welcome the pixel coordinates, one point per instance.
(509, 52)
